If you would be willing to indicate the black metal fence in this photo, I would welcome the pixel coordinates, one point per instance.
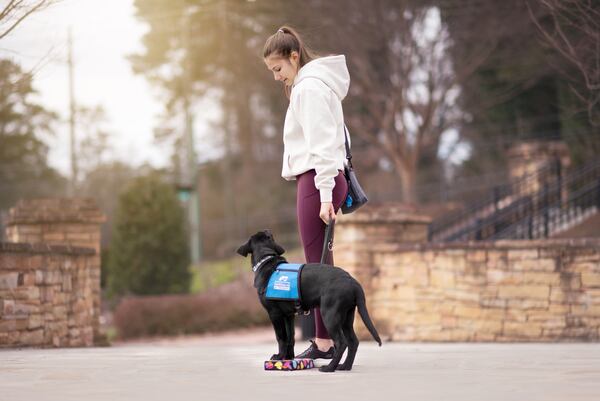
(3, 217)
(535, 206)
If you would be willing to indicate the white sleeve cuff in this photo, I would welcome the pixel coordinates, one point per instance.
(326, 195)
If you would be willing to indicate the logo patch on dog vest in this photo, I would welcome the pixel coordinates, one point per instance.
(284, 284)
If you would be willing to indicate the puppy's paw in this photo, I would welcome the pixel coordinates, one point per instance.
(276, 357)
(342, 366)
(326, 369)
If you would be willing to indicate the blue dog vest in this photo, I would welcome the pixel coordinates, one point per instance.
(284, 284)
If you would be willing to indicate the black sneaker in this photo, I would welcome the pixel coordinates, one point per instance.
(313, 352)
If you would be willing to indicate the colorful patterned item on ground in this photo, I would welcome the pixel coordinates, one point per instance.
(290, 364)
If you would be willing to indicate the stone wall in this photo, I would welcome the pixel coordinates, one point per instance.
(50, 274)
(46, 295)
(359, 235)
(547, 290)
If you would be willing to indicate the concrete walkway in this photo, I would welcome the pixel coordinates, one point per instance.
(229, 367)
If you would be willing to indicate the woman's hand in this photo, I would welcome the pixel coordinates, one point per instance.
(327, 212)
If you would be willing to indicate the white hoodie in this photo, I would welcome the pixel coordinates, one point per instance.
(313, 133)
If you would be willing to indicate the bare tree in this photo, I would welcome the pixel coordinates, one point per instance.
(418, 105)
(405, 84)
(574, 32)
(15, 11)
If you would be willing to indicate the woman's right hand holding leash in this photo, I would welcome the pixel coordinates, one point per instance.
(327, 212)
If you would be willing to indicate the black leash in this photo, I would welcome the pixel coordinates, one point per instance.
(327, 247)
(328, 243)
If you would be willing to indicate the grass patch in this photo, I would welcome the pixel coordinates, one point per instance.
(213, 274)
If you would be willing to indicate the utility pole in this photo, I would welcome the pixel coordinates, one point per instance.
(190, 176)
(232, 228)
(74, 170)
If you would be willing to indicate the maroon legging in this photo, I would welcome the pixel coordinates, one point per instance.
(312, 228)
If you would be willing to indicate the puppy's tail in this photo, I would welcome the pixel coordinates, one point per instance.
(364, 313)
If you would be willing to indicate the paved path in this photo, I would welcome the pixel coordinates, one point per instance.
(224, 368)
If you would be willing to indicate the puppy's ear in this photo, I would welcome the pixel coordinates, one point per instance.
(278, 248)
(245, 249)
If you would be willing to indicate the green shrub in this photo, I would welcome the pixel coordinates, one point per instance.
(148, 252)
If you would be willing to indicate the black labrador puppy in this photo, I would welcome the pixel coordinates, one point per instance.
(332, 289)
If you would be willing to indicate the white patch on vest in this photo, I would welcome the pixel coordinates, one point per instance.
(282, 284)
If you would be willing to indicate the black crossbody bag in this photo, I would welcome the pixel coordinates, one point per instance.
(356, 195)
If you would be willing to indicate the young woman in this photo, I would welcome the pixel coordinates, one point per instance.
(314, 151)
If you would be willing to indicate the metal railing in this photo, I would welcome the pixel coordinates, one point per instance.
(3, 219)
(498, 197)
(557, 206)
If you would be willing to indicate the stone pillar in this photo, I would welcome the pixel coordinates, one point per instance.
(381, 227)
(526, 158)
(74, 221)
(391, 224)
(46, 295)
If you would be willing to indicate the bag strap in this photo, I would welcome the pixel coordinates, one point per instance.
(348, 153)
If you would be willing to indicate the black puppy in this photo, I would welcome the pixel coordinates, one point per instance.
(332, 289)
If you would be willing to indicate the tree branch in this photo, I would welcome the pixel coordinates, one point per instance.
(8, 10)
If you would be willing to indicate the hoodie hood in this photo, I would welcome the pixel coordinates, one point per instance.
(332, 70)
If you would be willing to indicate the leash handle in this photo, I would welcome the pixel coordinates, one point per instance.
(328, 243)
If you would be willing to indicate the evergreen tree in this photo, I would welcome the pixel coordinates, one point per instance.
(149, 251)
(219, 64)
(24, 171)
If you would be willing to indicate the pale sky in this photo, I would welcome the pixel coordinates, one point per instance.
(105, 32)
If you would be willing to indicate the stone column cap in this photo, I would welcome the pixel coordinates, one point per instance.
(55, 210)
(385, 213)
(536, 147)
(45, 249)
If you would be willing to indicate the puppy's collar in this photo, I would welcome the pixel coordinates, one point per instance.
(261, 262)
